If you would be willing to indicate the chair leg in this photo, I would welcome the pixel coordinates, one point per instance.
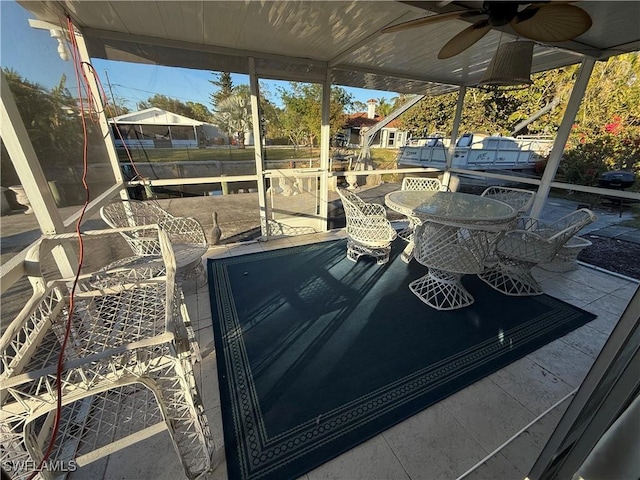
(355, 251)
(192, 277)
(383, 255)
(352, 254)
(407, 253)
(512, 278)
(441, 290)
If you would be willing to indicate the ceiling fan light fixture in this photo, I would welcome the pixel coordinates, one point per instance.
(510, 67)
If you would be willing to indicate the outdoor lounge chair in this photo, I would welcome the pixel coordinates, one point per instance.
(532, 242)
(369, 232)
(186, 235)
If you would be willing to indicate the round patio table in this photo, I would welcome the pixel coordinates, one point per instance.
(456, 234)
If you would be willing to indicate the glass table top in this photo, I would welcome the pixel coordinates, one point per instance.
(452, 206)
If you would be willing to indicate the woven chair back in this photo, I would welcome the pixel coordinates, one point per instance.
(421, 183)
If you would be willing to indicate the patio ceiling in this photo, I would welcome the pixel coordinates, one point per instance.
(298, 40)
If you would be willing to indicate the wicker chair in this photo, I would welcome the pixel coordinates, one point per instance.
(186, 235)
(368, 230)
(520, 200)
(127, 371)
(413, 184)
(449, 251)
(532, 242)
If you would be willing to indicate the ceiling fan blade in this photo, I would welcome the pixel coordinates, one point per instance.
(430, 19)
(464, 39)
(551, 23)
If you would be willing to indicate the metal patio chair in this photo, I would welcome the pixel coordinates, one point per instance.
(186, 235)
(414, 184)
(368, 230)
(127, 372)
(517, 198)
(449, 251)
(532, 242)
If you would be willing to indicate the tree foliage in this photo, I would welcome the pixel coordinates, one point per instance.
(51, 117)
(194, 110)
(233, 115)
(606, 132)
(224, 88)
(301, 115)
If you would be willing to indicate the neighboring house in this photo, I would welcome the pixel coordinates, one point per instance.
(391, 136)
(157, 128)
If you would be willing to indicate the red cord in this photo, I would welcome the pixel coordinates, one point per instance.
(113, 115)
(60, 365)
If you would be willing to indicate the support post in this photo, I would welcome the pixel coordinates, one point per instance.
(325, 139)
(105, 130)
(446, 178)
(258, 148)
(555, 156)
(25, 161)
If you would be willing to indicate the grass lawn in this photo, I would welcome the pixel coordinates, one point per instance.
(382, 158)
(215, 154)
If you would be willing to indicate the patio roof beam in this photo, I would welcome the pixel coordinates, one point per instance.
(132, 39)
(577, 93)
(395, 74)
(271, 74)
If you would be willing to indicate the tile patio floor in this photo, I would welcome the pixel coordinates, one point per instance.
(493, 429)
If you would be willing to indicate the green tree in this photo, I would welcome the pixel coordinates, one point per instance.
(199, 112)
(385, 107)
(301, 115)
(358, 106)
(233, 115)
(194, 110)
(50, 117)
(224, 85)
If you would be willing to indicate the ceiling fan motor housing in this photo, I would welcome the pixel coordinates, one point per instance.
(501, 13)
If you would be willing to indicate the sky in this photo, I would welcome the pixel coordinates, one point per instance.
(33, 54)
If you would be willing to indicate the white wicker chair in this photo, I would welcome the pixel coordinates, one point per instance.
(127, 370)
(413, 184)
(186, 235)
(521, 200)
(532, 242)
(369, 232)
(449, 251)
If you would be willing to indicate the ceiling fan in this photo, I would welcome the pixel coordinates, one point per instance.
(539, 21)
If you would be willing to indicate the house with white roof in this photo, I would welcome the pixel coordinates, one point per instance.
(157, 128)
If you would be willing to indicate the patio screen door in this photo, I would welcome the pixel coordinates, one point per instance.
(293, 202)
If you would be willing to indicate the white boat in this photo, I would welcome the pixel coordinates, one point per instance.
(476, 151)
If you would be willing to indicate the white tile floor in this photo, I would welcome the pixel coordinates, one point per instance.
(493, 429)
